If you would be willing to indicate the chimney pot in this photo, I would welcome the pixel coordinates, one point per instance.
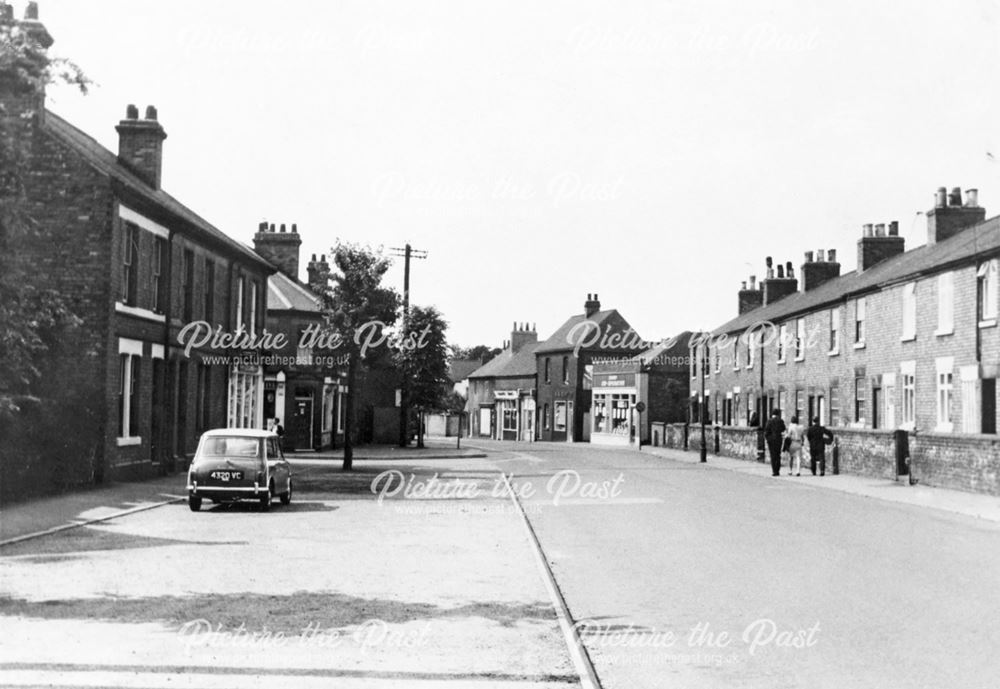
(788, 270)
(322, 258)
(295, 228)
(880, 230)
(744, 286)
(894, 228)
(831, 255)
(941, 198)
(955, 198)
(972, 198)
(768, 262)
(753, 282)
(31, 11)
(262, 227)
(151, 112)
(131, 112)
(314, 258)
(866, 230)
(282, 227)
(809, 257)
(820, 256)
(272, 227)
(781, 271)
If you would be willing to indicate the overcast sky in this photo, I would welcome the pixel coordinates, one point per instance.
(651, 152)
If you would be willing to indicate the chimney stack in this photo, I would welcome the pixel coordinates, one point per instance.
(140, 145)
(521, 336)
(280, 248)
(318, 272)
(944, 221)
(875, 246)
(824, 268)
(750, 297)
(780, 286)
(591, 306)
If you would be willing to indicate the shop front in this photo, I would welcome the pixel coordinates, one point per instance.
(613, 409)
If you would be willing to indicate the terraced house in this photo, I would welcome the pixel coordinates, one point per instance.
(908, 341)
(137, 266)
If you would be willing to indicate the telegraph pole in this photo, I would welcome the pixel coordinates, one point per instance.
(406, 253)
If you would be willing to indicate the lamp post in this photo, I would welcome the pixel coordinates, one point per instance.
(701, 402)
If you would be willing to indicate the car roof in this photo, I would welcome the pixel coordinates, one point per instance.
(239, 433)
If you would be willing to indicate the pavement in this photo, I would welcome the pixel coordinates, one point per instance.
(959, 502)
(414, 589)
(68, 510)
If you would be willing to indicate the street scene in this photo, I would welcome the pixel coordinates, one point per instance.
(421, 572)
(450, 344)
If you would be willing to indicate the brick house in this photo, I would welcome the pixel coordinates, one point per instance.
(657, 377)
(564, 364)
(137, 266)
(907, 341)
(303, 381)
(501, 393)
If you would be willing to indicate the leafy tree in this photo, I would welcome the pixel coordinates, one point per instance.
(33, 317)
(355, 306)
(423, 355)
(482, 352)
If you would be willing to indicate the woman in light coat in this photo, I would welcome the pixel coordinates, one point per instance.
(796, 435)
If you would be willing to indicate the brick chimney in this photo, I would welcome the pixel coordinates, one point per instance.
(823, 268)
(949, 216)
(319, 273)
(780, 286)
(750, 298)
(140, 144)
(877, 245)
(521, 336)
(591, 306)
(279, 247)
(23, 103)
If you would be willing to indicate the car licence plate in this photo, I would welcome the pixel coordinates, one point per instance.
(227, 475)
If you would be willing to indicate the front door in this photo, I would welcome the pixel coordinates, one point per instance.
(301, 431)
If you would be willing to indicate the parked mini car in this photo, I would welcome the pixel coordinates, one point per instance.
(239, 464)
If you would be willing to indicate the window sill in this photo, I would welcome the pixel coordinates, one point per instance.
(834, 352)
(908, 338)
(988, 323)
(800, 358)
(781, 362)
(749, 367)
(131, 440)
(139, 313)
(944, 333)
(944, 428)
(859, 345)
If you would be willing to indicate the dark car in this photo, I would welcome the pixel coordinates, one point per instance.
(239, 464)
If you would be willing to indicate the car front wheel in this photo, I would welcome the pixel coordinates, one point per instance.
(286, 497)
(265, 500)
(194, 502)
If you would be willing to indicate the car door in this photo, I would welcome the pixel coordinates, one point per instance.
(277, 466)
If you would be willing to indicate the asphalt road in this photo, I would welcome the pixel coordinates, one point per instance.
(682, 575)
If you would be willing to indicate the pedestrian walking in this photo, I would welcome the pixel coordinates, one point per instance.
(818, 436)
(774, 431)
(796, 439)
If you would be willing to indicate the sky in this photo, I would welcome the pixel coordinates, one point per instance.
(652, 153)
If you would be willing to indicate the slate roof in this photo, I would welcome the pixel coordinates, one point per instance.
(559, 340)
(508, 364)
(106, 162)
(977, 241)
(286, 294)
(459, 369)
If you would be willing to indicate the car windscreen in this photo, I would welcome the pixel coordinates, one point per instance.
(231, 447)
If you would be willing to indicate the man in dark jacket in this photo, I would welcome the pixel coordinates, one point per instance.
(819, 437)
(773, 432)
